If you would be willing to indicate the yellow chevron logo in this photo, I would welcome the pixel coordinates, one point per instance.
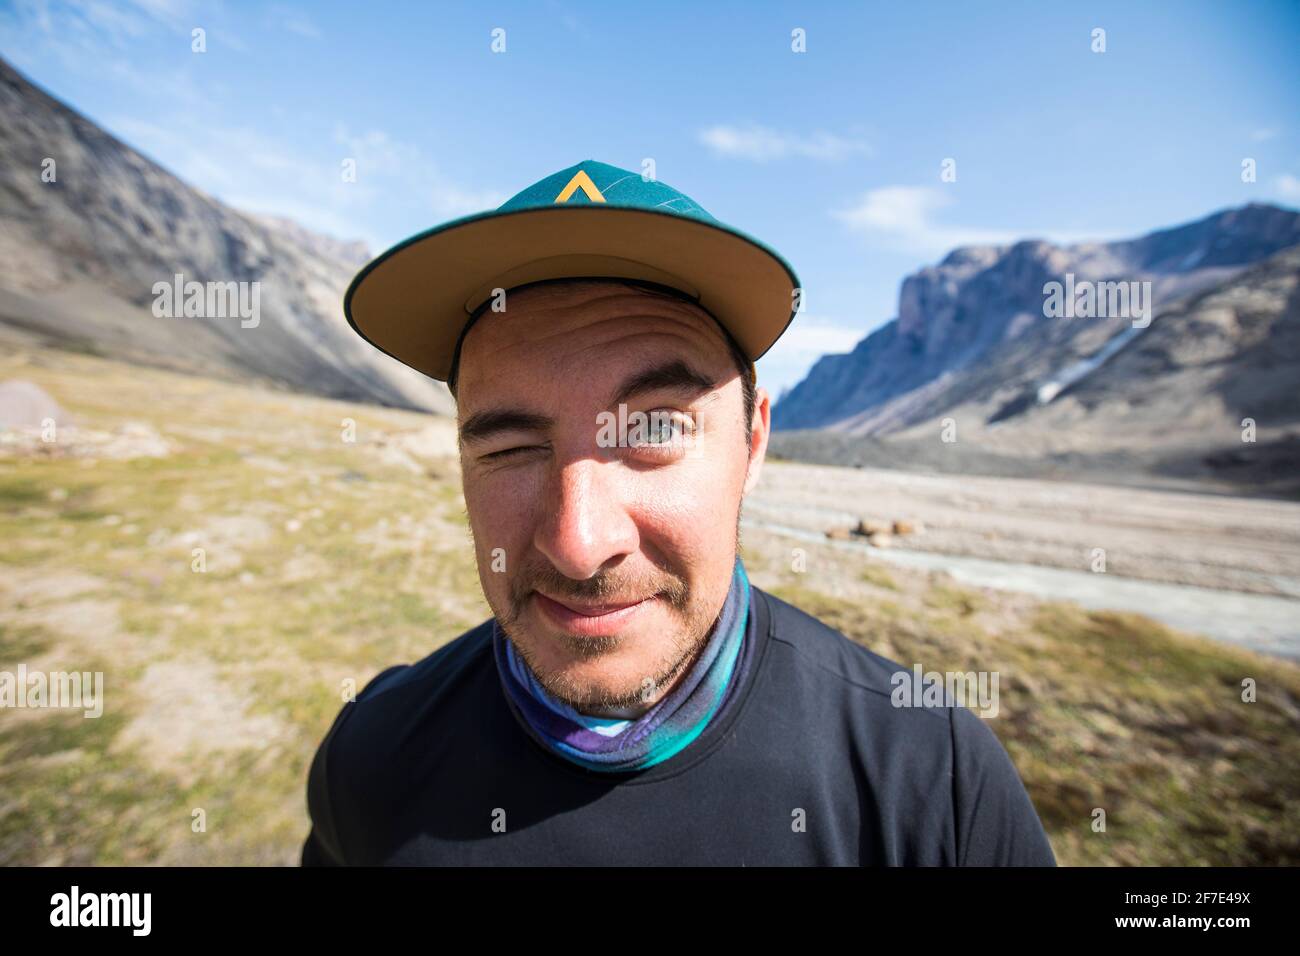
(581, 181)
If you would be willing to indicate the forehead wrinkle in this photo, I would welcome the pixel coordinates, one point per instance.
(572, 319)
(689, 322)
(598, 388)
(644, 340)
(686, 313)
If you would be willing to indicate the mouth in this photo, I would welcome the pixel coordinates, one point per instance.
(594, 620)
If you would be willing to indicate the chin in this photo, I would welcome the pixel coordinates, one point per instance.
(608, 668)
(615, 674)
(594, 669)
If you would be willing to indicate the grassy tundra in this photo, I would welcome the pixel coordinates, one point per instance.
(326, 559)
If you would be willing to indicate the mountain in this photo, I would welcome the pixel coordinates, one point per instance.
(80, 256)
(972, 341)
(1187, 387)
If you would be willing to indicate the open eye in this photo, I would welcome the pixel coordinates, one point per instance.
(664, 428)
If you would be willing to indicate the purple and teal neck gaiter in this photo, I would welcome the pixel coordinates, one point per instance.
(605, 744)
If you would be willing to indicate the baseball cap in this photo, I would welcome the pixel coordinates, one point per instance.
(589, 220)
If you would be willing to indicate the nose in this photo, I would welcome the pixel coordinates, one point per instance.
(586, 526)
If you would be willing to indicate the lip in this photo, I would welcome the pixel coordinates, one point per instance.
(594, 619)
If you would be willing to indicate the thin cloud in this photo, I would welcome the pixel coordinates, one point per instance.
(761, 144)
(293, 21)
(1287, 186)
(256, 172)
(88, 37)
(816, 337)
(794, 354)
(907, 218)
(379, 156)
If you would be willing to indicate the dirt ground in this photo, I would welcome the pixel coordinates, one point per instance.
(1212, 541)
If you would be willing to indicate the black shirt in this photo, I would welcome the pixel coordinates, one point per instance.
(808, 763)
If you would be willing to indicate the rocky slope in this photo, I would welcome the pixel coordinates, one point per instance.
(79, 257)
(971, 332)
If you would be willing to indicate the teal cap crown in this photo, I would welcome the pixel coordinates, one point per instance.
(592, 182)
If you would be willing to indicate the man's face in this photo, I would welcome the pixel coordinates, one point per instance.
(606, 566)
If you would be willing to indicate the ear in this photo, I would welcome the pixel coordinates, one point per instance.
(759, 430)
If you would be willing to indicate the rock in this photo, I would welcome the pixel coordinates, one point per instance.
(881, 539)
(908, 527)
(25, 405)
(839, 534)
(869, 526)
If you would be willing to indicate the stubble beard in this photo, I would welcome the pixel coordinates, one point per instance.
(586, 695)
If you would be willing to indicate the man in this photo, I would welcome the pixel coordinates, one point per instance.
(634, 700)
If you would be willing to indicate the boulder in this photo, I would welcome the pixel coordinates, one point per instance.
(26, 405)
(869, 526)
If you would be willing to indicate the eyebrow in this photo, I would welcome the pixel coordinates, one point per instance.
(671, 375)
(484, 425)
(675, 375)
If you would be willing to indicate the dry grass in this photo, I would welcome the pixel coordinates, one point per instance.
(328, 560)
(1097, 710)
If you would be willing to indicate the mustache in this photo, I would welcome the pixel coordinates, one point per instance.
(606, 587)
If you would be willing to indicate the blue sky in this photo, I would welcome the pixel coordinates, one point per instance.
(833, 156)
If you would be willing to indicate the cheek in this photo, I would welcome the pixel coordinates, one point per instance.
(690, 509)
(501, 511)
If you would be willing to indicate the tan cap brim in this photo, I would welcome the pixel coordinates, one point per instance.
(413, 301)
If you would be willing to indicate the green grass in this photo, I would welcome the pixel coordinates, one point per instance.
(875, 575)
(19, 490)
(19, 642)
